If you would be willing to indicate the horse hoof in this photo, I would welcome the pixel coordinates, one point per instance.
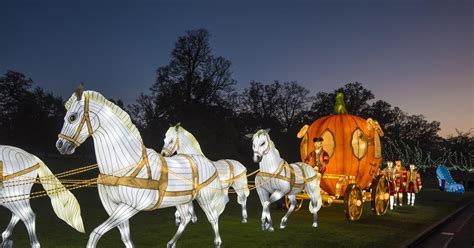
(194, 220)
(315, 224)
(171, 245)
(244, 220)
(282, 226)
(270, 229)
(7, 244)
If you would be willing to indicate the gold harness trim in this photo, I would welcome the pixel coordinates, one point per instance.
(16, 174)
(161, 184)
(290, 179)
(231, 169)
(84, 120)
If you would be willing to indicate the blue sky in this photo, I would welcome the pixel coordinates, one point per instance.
(418, 55)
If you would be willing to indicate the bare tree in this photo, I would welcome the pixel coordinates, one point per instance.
(285, 102)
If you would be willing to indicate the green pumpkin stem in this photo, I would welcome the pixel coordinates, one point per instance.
(340, 106)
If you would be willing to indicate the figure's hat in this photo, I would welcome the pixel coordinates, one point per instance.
(317, 139)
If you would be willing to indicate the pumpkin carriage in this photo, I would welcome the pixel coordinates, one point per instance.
(351, 176)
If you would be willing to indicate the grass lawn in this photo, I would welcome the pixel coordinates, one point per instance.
(154, 229)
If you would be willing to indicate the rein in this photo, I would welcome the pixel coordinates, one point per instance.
(84, 120)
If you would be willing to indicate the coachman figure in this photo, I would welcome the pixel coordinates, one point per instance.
(319, 156)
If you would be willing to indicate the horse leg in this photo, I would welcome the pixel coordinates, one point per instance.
(191, 212)
(226, 194)
(292, 199)
(194, 217)
(122, 213)
(263, 196)
(315, 200)
(242, 200)
(110, 207)
(6, 242)
(177, 217)
(27, 216)
(185, 218)
(124, 229)
(275, 196)
(212, 215)
(241, 188)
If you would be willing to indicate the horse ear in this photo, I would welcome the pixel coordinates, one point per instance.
(79, 91)
(267, 130)
(249, 136)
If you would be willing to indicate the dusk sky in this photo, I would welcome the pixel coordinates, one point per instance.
(417, 55)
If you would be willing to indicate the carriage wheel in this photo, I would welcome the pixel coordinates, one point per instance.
(353, 202)
(299, 203)
(380, 195)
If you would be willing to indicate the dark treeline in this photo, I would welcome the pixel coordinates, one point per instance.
(196, 88)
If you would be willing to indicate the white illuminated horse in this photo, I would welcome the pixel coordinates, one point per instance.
(232, 173)
(277, 178)
(133, 178)
(18, 172)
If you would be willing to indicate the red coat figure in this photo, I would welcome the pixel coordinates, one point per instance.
(413, 184)
(400, 181)
(319, 157)
(389, 173)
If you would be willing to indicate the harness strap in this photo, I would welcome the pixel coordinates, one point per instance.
(162, 183)
(243, 173)
(292, 176)
(134, 182)
(208, 181)
(195, 175)
(143, 162)
(291, 179)
(231, 173)
(18, 173)
(1, 174)
(274, 175)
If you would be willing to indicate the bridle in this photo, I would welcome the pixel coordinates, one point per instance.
(84, 120)
(266, 151)
(174, 148)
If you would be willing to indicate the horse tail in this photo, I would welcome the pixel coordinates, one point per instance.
(65, 205)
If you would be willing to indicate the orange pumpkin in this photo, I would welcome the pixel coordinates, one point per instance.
(353, 145)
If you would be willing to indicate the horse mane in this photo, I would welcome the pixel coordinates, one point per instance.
(123, 116)
(191, 138)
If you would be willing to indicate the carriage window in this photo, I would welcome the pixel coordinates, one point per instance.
(378, 146)
(359, 144)
(328, 143)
